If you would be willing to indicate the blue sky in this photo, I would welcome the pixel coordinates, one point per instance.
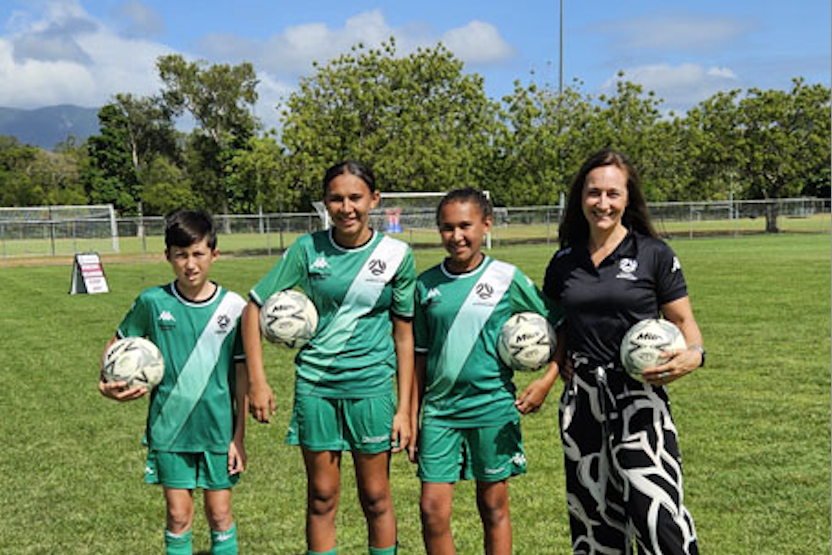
(84, 51)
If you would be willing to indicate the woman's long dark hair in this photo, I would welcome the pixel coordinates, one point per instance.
(574, 229)
(352, 167)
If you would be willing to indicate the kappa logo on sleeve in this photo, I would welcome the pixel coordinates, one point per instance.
(676, 265)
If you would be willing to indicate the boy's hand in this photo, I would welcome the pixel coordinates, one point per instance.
(119, 391)
(236, 457)
(261, 402)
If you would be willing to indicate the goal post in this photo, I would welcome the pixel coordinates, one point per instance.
(58, 229)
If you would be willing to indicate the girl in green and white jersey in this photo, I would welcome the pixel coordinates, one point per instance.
(470, 423)
(361, 282)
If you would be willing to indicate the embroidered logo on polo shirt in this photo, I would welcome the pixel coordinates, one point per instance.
(627, 267)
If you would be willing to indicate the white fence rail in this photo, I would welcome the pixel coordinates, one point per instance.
(271, 233)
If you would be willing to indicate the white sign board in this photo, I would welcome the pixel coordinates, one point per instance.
(88, 275)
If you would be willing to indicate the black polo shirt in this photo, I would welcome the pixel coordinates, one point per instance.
(602, 303)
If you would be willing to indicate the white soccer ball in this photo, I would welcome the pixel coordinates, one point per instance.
(134, 360)
(644, 342)
(288, 318)
(526, 342)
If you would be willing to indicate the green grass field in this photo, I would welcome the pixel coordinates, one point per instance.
(754, 424)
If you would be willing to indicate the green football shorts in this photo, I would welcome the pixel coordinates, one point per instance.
(189, 470)
(327, 424)
(488, 454)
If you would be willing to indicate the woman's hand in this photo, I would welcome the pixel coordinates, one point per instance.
(681, 362)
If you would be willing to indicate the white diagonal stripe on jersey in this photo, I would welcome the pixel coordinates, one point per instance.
(467, 325)
(194, 376)
(360, 299)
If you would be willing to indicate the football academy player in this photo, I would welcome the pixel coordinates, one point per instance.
(470, 416)
(361, 282)
(196, 418)
(611, 272)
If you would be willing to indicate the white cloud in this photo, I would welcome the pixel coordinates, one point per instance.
(675, 32)
(478, 42)
(63, 56)
(292, 52)
(683, 85)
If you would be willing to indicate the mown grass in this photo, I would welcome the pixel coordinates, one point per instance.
(754, 424)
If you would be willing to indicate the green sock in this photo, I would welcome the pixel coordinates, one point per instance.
(224, 543)
(332, 552)
(384, 551)
(179, 544)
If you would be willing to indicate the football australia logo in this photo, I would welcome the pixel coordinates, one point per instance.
(222, 323)
(484, 291)
(377, 267)
(627, 267)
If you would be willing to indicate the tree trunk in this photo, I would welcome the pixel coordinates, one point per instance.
(771, 216)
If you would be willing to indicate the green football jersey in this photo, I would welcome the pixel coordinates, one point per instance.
(355, 291)
(456, 326)
(191, 410)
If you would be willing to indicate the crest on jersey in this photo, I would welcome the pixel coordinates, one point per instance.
(484, 290)
(627, 267)
(222, 323)
(377, 266)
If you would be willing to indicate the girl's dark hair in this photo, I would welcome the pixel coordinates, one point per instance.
(351, 167)
(183, 228)
(574, 228)
(467, 194)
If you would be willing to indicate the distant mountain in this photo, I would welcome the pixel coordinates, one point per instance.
(48, 126)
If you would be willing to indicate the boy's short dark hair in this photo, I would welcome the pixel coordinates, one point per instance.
(183, 228)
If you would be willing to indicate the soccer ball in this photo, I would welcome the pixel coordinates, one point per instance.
(288, 318)
(526, 342)
(644, 342)
(134, 360)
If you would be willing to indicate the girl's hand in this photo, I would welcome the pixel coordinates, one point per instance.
(400, 437)
(119, 391)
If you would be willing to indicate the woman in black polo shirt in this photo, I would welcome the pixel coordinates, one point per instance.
(622, 462)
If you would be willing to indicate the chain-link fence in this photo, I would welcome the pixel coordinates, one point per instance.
(266, 234)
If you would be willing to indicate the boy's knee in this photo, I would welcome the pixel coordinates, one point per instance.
(219, 518)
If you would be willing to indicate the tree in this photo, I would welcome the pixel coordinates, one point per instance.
(166, 188)
(133, 132)
(784, 142)
(220, 98)
(419, 121)
(542, 143)
(110, 177)
(256, 174)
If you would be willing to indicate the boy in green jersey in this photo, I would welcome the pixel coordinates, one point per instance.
(470, 416)
(195, 437)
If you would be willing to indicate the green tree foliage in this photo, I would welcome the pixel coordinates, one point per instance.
(420, 121)
(133, 131)
(784, 142)
(219, 97)
(256, 173)
(541, 144)
(167, 188)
